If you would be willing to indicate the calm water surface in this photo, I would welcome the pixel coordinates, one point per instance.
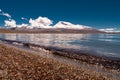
(102, 44)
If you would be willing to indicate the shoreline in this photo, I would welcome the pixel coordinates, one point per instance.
(110, 63)
(19, 64)
(96, 73)
(54, 31)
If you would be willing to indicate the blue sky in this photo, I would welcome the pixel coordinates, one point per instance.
(95, 13)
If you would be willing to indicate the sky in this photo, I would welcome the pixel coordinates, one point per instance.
(98, 14)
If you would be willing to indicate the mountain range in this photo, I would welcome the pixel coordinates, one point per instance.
(60, 27)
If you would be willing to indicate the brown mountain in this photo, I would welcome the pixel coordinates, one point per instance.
(49, 30)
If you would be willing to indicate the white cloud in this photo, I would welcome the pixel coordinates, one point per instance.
(10, 23)
(44, 22)
(24, 18)
(110, 30)
(5, 14)
(22, 25)
(0, 10)
(40, 22)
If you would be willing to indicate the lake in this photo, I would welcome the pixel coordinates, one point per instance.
(100, 44)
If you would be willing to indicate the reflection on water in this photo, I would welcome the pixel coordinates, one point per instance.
(46, 39)
(107, 44)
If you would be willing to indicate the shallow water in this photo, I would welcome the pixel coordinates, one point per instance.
(100, 44)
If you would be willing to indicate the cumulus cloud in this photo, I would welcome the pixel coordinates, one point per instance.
(110, 30)
(44, 22)
(40, 22)
(10, 23)
(22, 25)
(5, 14)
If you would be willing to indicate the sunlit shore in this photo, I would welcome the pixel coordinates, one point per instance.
(20, 64)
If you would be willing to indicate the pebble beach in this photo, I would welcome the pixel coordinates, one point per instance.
(17, 64)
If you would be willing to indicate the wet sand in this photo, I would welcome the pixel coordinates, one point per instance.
(18, 64)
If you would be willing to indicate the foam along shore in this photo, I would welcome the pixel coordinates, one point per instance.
(16, 63)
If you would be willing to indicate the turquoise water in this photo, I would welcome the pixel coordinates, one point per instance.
(102, 44)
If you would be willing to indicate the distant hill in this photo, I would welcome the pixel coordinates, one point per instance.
(49, 30)
(6, 31)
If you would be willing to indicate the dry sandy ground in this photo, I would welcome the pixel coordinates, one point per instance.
(16, 64)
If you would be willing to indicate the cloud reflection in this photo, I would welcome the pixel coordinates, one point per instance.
(48, 39)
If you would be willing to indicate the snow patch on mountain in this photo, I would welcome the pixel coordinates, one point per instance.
(68, 25)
